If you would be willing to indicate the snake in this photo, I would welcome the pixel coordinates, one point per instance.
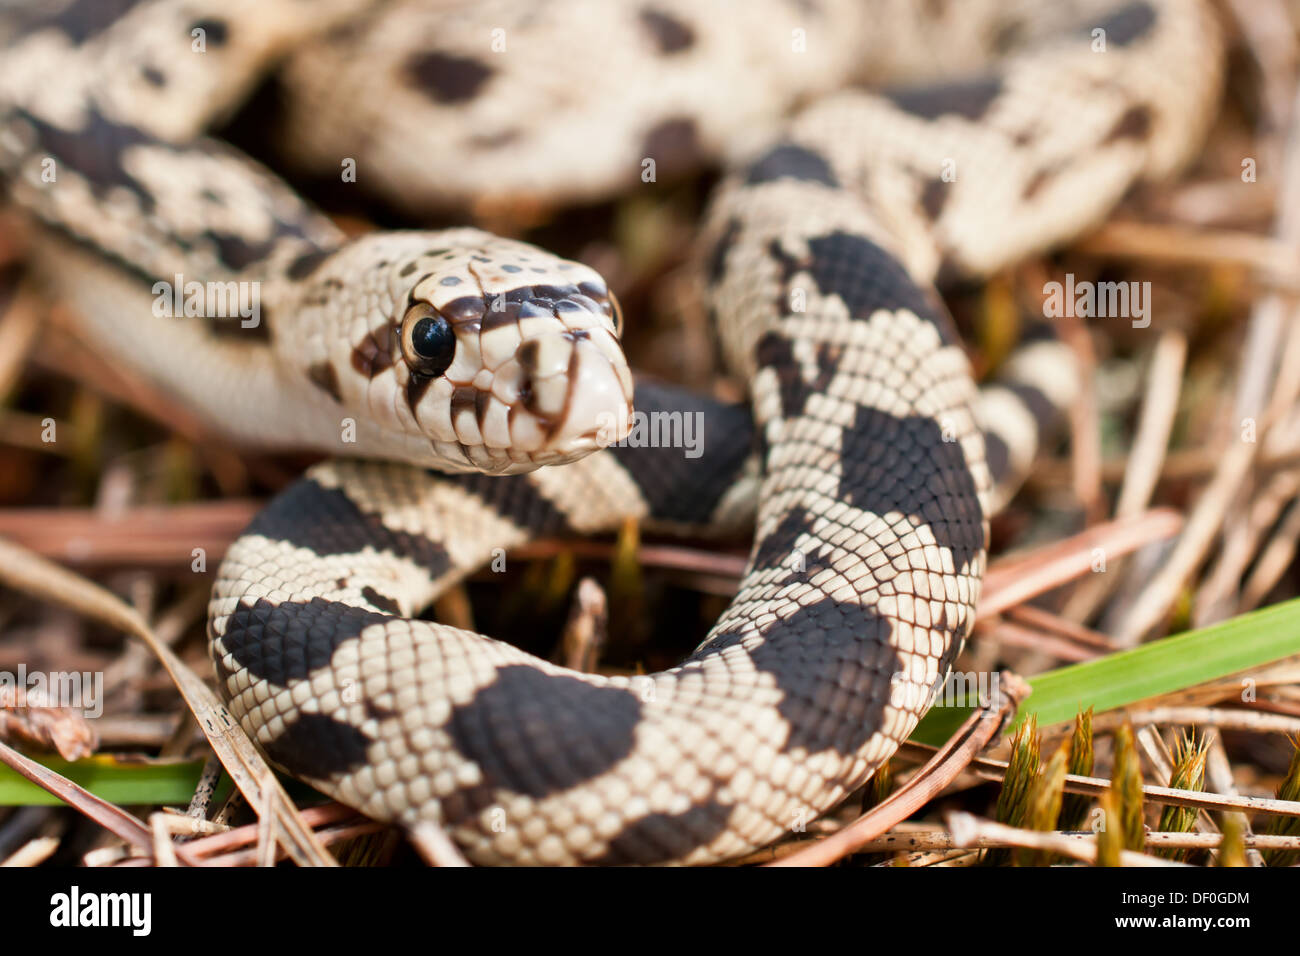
(475, 394)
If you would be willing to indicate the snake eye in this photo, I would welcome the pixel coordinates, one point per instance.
(428, 343)
(616, 313)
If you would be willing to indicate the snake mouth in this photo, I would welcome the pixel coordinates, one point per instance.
(597, 408)
(562, 397)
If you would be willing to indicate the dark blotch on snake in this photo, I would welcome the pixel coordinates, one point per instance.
(776, 352)
(381, 601)
(447, 78)
(324, 377)
(306, 264)
(674, 145)
(1126, 25)
(94, 151)
(997, 456)
(500, 312)
(718, 255)
(527, 355)
(416, 386)
(1135, 124)
(83, 19)
(969, 98)
(325, 521)
(777, 549)
(515, 498)
(789, 161)
(377, 711)
(888, 463)
(539, 734)
(669, 34)
(534, 309)
(827, 659)
(290, 641)
(466, 310)
(1047, 414)
(216, 32)
(934, 196)
(1008, 36)
(236, 252)
(867, 279)
(317, 745)
(679, 489)
(373, 354)
(232, 328)
(658, 837)
(553, 293)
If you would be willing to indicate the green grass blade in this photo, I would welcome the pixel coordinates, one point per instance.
(120, 782)
(1160, 667)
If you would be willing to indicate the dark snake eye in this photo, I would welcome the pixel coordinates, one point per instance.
(428, 343)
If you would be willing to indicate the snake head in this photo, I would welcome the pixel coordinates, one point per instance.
(486, 354)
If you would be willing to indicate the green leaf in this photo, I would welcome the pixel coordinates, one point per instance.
(118, 781)
(1160, 667)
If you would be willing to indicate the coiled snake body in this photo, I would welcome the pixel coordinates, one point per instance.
(462, 352)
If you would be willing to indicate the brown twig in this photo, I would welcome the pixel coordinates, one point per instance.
(1273, 262)
(991, 769)
(1016, 579)
(928, 838)
(585, 631)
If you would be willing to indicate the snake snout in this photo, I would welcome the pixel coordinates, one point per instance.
(598, 406)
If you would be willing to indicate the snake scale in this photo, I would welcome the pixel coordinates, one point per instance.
(872, 148)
